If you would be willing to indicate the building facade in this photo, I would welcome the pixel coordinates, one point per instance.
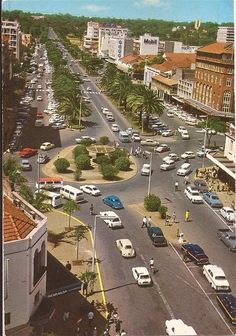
(11, 34)
(225, 34)
(119, 47)
(25, 262)
(148, 45)
(91, 36)
(214, 77)
(173, 47)
(185, 83)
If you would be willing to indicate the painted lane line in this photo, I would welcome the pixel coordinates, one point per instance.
(204, 292)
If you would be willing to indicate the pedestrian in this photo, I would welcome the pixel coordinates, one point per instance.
(185, 256)
(187, 216)
(90, 318)
(197, 172)
(176, 185)
(68, 266)
(186, 179)
(123, 333)
(85, 288)
(95, 332)
(118, 326)
(144, 224)
(174, 216)
(149, 221)
(91, 209)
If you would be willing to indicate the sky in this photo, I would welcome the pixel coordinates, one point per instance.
(174, 10)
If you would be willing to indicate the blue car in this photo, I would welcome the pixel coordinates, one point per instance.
(195, 252)
(113, 201)
(228, 304)
(212, 199)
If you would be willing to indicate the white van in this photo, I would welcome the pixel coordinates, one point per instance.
(124, 136)
(52, 198)
(39, 123)
(73, 193)
(178, 327)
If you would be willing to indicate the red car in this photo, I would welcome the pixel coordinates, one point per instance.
(39, 115)
(27, 152)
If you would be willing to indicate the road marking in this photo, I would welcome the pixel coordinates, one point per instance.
(161, 293)
(222, 220)
(97, 265)
(204, 292)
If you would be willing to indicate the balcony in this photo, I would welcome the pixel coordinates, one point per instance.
(214, 60)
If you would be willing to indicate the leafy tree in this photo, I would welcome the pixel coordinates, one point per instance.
(163, 210)
(103, 160)
(117, 153)
(123, 163)
(40, 202)
(120, 88)
(109, 172)
(26, 192)
(10, 166)
(79, 233)
(77, 174)
(69, 207)
(104, 140)
(61, 165)
(80, 149)
(213, 125)
(152, 202)
(83, 162)
(89, 278)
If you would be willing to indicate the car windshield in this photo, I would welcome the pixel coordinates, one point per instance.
(220, 277)
(215, 198)
(116, 220)
(195, 193)
(128, 247)
(146, 276)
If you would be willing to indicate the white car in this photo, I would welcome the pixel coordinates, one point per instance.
(141, 276)
(168, 165)
(193, 194)
(46, 146)
(125, 247)
(149, 142)
(162, 148)
(216, 277)
(185, 135)
(170, 114)
(188, 155)
(105, 110)
(178, 327)
(167, 133)
(113, 221)
(145, 171)
(115, 128)
(228, 214)
(84, 137)
(89, 89)
(181, 129)
(129, 130)
(39, 86)
(171, 156)
(184, 170)
(91, 190)
(39, 98)
(136, 137)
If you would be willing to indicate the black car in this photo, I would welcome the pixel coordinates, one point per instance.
(195, 252)
(201, 185)
(228, 304)
(156, 235)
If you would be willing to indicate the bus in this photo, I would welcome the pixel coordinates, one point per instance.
(72, 193)
(49, 183)
(124, 136)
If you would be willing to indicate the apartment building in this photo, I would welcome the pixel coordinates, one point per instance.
(119, 47)
(225, 34)
(11, 34)
(91, 36)
(185, 83)
(214, 77)
(24, 265)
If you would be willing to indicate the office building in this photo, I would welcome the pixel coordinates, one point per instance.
(225, 34)
(11, 34)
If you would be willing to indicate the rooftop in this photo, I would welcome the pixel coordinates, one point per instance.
(166, 81)
(176, 60)
(218, 48)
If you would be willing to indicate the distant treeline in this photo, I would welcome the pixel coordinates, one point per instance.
(66, 24)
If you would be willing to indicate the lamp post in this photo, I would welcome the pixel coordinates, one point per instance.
(94, 237)
(80, 111)
(38, 172)
(150, 173)
(204, 143)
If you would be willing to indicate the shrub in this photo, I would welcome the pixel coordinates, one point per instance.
(163, 210)
(61, 165)
(117, 153)
(109, 172)
(86, 142)
(83, 162)
(123, 163)
(80, 149)
(104, 140)
(77, 174)
(152, 203)
(103, 159)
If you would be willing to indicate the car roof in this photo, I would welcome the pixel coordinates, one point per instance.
(142, 270)
(155, 229)
(228, 209)
(216, 269)
(24, 161)
(125, 241)
(194, 247)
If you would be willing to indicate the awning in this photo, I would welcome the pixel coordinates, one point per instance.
(43, 314)
(223, 163)
(59, 280)
(178, 99)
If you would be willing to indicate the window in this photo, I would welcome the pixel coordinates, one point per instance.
(226, 101)
(228, 82)
(7, 318)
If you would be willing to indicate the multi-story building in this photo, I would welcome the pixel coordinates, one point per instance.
(148, 44)
(11, 34)
(225, 34)
(25, 263)
(185, 83)
(119, 47)
(91, 36)
(173, 47)
(214, 78)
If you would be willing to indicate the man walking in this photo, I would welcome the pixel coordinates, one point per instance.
(187, 216)
(68, 266)
(149, 221)
(144, 224)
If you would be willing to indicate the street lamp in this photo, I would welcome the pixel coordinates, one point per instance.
(80, 110)
(94, 237)
(38, 172)
(150, 172)
(204, 143)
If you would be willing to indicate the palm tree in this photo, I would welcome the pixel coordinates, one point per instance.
(120, 88)
(69, 207)
(89, 278)
(79, 234)
(109, 75)
(143, 99)
(40, 202)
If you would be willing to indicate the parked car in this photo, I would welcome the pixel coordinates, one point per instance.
(162, 148)
(216, 277)
(113, 201)
(113, 221)
(188, 155)
(110, 117)
(43, 158)
(212, 199)
(135, 137)
(84, 137)
(201, 185)
(185, 135)
(91, 190)
(59, 125)
(167, 133)
(168, 165)
(149, 142)
(141, 276)
(115, 128)
(171, 156)
(170, 114)
(184, 170)
(156, 235)
(28, 152)
(25, 165)
(181, 129)
(228, 304)
(228, 238)
(177, 327)
(47, 146)
(145, 171)
(193, 194)
(195, 253)
(125, 247)
(228, 214)
(39, 98)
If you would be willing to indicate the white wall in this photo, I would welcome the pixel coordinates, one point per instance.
(149, 45)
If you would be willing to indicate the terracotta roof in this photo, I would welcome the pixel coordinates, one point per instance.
(129, 59)
(166, 81)
(218, 48)
(17, 225)
(176, 60)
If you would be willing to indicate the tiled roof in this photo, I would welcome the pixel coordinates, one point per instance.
(129, 59)
(166, 81)
(218, 48)
(17, 225)
(176, 60)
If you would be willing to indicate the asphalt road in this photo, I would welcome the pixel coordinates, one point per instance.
(179, 290)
